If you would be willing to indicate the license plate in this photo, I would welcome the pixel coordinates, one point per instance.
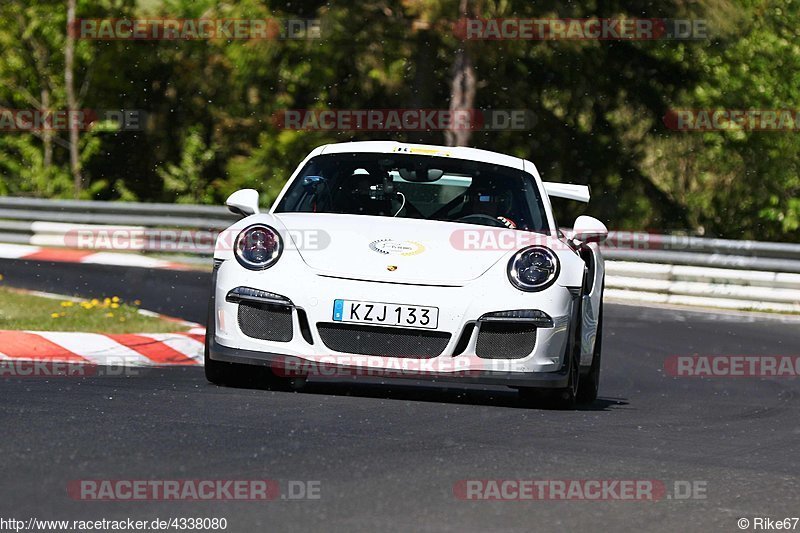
(384, 314)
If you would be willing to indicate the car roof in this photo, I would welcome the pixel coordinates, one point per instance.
(456, 152)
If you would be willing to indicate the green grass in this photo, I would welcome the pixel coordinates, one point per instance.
(25, 311)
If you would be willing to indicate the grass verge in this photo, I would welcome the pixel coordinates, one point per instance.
(21, 310)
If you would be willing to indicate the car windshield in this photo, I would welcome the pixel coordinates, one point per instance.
(417, 186)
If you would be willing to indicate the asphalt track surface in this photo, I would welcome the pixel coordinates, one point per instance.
(387, 457)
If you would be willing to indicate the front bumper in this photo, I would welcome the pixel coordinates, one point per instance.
(279, 363)
(459, 307)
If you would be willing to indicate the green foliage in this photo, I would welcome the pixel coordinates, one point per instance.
(23, 171)
(185, 179)
(22, 310)
(599, 106)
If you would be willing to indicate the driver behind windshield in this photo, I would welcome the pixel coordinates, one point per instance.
(362, 193)
(489, 201)
(420, 187)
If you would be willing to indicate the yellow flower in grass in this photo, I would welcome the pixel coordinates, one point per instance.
(115, 299)
(66, 304)
(115, 306)
(94, 301)
(109, 315)
(137, 302)
(1, 277)
(86, 305)
(54, 315)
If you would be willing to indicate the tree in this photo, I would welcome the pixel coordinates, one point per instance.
(72, 101)
(598, 105)
(462, 91)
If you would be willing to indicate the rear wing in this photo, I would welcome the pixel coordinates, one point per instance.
(579, 193)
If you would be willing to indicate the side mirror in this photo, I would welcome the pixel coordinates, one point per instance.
(243, 202)
(588, 229)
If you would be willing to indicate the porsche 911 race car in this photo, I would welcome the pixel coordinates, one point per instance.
(400, 260)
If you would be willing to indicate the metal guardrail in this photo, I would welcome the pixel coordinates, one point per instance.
(48, 223)
(22, 219)
(695, 271)
(699, 251)
(18, 210)
(649, 242)
(640, 266)
(709, 287)
(709, 259)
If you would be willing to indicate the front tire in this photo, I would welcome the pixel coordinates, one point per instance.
(240, 375)
(222, 373)
(566, 397)
(226, 374)
(590, 382)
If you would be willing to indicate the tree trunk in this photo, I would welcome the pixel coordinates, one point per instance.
(423, 97)
(462, 89)
(47, 134)
(72, 102)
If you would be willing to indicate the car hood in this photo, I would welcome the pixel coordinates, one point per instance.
(393, 250)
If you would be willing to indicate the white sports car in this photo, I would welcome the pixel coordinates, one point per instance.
(402, 260)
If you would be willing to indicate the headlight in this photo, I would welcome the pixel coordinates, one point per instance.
(533, 269)
(258, 247)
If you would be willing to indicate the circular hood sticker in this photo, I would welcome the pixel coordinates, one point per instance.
(392, 247)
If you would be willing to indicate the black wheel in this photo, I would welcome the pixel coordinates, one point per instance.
(562, 398)
(222, 373)
(241, 375)
(567, 397)
(247, 376)
(590, 382)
